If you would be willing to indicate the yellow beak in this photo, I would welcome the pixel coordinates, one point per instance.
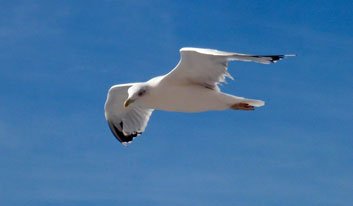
(128, 102)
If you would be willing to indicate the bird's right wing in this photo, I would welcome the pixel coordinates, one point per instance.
(125, 123)
(208, 67)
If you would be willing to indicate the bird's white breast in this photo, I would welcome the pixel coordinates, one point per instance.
(183, 98)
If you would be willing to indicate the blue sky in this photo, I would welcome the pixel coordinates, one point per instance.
(59, 58)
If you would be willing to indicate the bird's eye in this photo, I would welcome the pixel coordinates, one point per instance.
(141, 92)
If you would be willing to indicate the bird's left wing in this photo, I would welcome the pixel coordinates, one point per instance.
(208, 67)
(125, 123)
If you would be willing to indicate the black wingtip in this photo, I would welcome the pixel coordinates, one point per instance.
(274, 58)
(120, 136)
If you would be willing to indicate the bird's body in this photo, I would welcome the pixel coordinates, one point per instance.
(192, 86)
(186, 97)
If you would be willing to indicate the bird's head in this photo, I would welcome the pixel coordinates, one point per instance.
(136, 92)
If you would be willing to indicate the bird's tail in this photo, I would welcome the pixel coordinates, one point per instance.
(254, 102)
(251, 102)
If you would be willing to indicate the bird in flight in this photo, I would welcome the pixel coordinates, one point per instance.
(192, 86)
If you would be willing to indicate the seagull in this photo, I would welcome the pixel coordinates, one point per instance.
(192, 86)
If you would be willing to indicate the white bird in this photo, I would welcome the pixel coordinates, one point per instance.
(192, 86)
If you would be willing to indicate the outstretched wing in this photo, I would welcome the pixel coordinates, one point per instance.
(208, 67)
(125, 123)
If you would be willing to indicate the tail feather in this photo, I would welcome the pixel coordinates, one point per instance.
(254, 102)
(251, 102)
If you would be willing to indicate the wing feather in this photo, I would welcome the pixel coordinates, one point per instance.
(125, 123)
(209, 67)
